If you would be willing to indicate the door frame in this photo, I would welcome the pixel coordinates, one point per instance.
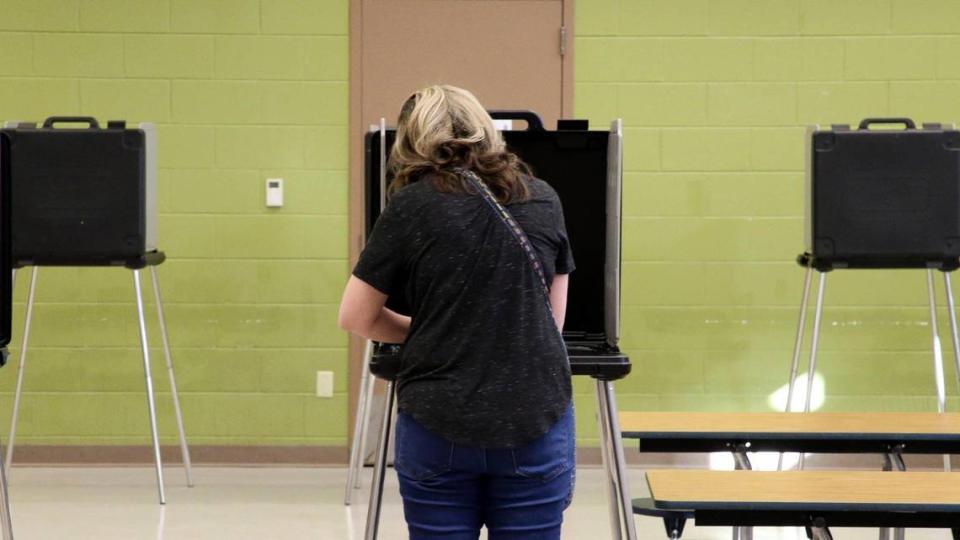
(355, 226)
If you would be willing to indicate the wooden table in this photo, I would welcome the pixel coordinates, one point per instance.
(814, 499)
(917, 433)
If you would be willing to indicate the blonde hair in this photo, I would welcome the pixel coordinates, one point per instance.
(442, 128)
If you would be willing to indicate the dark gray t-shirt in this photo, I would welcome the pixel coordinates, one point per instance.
(484, 364)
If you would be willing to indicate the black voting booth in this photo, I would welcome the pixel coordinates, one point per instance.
(83, 197)
(585, 169)
(6, 302)
(83, 194)
(881, 199)
(885, 198)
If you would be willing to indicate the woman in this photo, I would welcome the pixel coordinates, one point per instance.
(485, 431)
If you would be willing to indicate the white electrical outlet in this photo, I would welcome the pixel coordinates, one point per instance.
(324, 384)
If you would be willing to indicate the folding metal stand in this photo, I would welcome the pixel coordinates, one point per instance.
(358, 447)
(604, 369)
(6, 522)
(136, 265)
(810, 265)
(894, 457)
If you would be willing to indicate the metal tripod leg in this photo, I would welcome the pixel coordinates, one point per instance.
(380, 465)
(606, 458)
(619, 461)
(6, 522)
(953, 324)
(797, 346)
(621, 509)
(20, 368)
(365, 427)
(184, 449)
(814, 343)
(151, 400)
(937, 356)
(356, 446)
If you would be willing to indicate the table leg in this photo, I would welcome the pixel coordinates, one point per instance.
(742, 463)
(896, 457)
(674, 527)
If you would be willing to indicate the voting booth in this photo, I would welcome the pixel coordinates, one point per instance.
(6, 303)
(886, 195)
(884, 198)
(585, 169)
(83, 194)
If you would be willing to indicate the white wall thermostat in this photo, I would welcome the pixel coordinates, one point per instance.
(274, 192)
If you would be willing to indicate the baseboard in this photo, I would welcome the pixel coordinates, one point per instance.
(336, 456)
(213, 455)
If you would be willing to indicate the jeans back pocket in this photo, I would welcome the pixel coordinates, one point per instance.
(551, 455)
(420, 454)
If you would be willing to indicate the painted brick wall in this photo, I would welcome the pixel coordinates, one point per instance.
(715, 95)
(241, 90)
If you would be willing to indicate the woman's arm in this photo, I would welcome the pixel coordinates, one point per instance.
(362, 312)
(558, 298)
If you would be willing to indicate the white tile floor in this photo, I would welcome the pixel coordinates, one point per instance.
(276, 503)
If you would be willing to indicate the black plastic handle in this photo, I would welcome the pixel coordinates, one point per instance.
(867, 122)
(93, 124)
(534, 122)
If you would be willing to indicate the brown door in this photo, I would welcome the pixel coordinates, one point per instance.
(512, 54)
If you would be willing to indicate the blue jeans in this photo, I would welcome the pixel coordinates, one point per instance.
(451, 491)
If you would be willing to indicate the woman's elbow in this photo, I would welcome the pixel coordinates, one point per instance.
(350, 321)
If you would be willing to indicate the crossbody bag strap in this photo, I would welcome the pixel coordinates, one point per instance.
(514, 227)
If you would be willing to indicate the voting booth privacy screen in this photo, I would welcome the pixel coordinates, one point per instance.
(82, 193)
(885, 194)
(6, 278)
(583, 167)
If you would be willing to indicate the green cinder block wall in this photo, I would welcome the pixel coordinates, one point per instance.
(715, 95)
(241, 90)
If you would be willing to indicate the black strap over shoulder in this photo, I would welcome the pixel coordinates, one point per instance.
(512, 224)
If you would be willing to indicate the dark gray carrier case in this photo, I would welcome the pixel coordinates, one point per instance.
(884, 198)
(6, 280)
(82, 196)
